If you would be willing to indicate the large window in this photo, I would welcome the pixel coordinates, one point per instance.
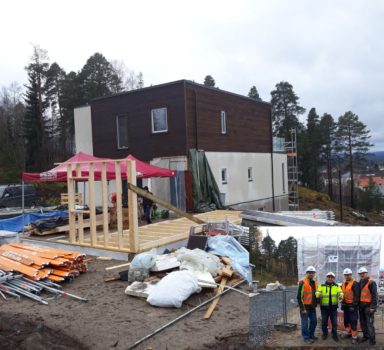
(122, 131)
(159, 120)
(250, 174)
(224, 176)
(223, 122)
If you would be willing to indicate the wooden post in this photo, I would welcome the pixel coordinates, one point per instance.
(80, 216)
(132, 208)
(165, 204)
(119, 205)
(71, 205)
(105, 201)
(92, 206)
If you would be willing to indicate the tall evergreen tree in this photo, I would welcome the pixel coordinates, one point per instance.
(36, 128)
(209, 81)
(285, 110)
(253, 93)
(54, 87)
(310, 152)
(327, 130)
(268, 246)
(352, 138)
(98, 78)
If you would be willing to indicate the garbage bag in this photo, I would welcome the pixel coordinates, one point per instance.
(198, 260)
(229, 246)
(144, 260)
(173, 289)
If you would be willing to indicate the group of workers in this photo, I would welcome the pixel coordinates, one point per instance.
(357, 298)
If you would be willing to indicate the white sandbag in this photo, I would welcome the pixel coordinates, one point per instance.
(199, 260)
(173, 289)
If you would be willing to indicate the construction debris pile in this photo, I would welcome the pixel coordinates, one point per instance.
(38, 263)
(167, 280)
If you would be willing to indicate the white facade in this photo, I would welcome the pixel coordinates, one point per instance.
(248, 182)
(83, 130)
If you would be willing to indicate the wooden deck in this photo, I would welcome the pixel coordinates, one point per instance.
(155, 235)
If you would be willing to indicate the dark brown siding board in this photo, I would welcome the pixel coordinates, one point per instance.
(248, 122)
(137, 106)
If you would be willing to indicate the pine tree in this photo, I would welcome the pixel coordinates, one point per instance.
(98, 78)
(327, 130)
(253, 93)
(209, 81)
(285, 110)
(352, 139)
(36, 128)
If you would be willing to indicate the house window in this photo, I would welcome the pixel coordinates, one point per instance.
(283, 175)
(223, 122)
(122, 131)
(250, 174)
(224, 176)
(159, 120)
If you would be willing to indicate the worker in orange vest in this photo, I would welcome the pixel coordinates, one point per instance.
(306, 298)
(368, 305)
(350, 304)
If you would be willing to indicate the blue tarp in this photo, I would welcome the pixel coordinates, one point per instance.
(16, 224)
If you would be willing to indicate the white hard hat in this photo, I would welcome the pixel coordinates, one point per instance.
(347, 271)
(330, 273)
(362, 270)
(310, 269)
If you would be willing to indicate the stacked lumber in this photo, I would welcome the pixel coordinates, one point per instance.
(37, 262)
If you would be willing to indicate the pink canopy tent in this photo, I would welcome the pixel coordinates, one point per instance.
(59, 173)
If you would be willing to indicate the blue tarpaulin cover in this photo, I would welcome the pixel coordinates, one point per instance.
(16, 224)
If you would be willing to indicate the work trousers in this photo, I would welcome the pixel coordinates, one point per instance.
(366, 323)
(308, 323)
(329, 313)
(350, 320)
(147, 213)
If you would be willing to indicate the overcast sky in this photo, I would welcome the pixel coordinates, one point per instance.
(330, 51)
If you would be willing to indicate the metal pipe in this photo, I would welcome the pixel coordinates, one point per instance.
(181, 317)
(27, 294)
(228, 287)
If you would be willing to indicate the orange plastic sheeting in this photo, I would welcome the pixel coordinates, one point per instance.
(55, 278)
(26, 254)
(19, 267)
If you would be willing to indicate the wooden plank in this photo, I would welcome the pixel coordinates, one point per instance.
(92, 205)
(119, 203)
(216, 301)
(117, 266)
(71, 205)
(165, 204)
(80, 216)
(105, 201)
(132, 207)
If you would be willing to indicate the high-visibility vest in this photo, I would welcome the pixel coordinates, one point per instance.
(365, 295)
(324, 290)
(348, 292)
(306, 291)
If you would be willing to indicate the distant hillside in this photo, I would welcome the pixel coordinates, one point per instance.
(309, 199)
(376, 156)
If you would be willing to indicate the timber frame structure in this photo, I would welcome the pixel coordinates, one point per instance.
(135, 239)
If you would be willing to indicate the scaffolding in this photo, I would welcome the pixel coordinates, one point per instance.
(292, 171)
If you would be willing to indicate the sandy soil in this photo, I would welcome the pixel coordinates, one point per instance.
(113, 320)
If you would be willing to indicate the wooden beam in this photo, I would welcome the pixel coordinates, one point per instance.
(80, 216)
(92, 204)
(71, 205)
(132, 207)
(216, 301)
(105, 201)
(165, 204)
(119, 204)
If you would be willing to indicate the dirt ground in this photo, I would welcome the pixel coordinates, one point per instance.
(113, 320)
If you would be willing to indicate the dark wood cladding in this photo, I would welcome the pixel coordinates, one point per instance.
(248, 122)
(194, 121)
(137, 105)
